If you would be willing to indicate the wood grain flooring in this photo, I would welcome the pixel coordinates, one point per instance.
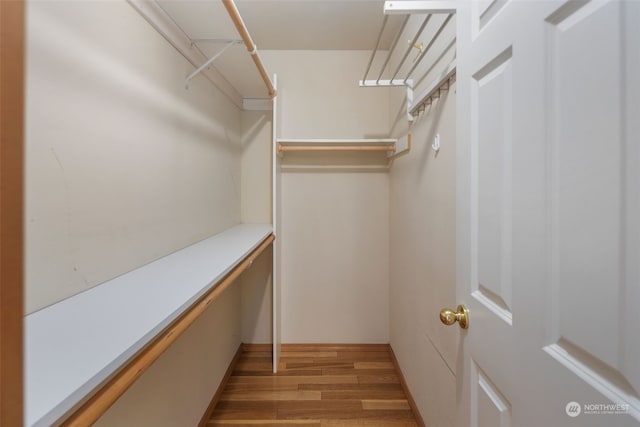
(317, 385)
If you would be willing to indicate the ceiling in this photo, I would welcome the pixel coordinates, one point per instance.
(281, 25)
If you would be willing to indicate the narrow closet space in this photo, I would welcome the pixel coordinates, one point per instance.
(239, 213)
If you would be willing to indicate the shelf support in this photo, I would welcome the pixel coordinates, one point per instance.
(208, 62)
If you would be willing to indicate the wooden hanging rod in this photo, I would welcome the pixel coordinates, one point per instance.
(283, 148)
(248, 42)
(100, 402)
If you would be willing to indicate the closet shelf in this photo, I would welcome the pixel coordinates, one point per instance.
(104, 338)
(391, 146)
(408, 8)
(358, 145)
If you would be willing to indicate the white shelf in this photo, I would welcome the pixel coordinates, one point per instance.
(73, 346)
(304, 141)
(391, 146)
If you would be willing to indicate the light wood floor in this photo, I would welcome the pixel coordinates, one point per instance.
(315, 386)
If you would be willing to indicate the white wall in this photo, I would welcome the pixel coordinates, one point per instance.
(124, 166)
(256, 293)
(178, 387)
(422, 264)
(335, 222)
(422, 243)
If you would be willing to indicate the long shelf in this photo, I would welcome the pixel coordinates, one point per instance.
(74, 347)
(355, 145)
(391, 146)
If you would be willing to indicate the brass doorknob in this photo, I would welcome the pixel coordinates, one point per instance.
(449, 317)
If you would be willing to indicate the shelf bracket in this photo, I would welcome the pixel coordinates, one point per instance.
(208, 62)
(393, 83)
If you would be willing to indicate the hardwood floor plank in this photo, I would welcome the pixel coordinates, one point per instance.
(312, 354)
(359, 372)
(282, 372)
(316, 385)
(402, 404)
(321, 364)
(363, 394)
(379, 415)
(288, 359)
(245, 410)
(374, 365)
(294, 379)
(264, 423)
(351, 387)
(378, 379)
(249, 387)
(351, 423)
(364, 356)
(272, 395)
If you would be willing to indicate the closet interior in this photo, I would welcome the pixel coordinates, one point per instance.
(196, 180)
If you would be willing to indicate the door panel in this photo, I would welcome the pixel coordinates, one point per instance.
(489, 406)
(588, 196)
(586, 180)
(548, 211)
(491, 115)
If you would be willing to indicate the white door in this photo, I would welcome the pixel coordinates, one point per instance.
(549, 213)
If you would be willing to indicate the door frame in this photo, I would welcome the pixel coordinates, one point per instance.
(12, 44)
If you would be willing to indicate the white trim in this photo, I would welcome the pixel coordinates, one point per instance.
(385, 83)
(404, 7)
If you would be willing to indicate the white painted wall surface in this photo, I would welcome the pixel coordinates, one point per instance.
(123, 166)
(335, 223)
(256, 167)
(256, 293)
(335, 257)
(422, 263)
(178, 387)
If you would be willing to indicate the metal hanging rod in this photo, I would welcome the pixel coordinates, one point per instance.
(411, 44)
(373, 54)
(408, 8)
(425, 50)
(391, 49)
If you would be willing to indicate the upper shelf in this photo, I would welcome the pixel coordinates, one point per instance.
(390, 146)
(301, 144)
(75, 345)
(238, 70)
(401, 74)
